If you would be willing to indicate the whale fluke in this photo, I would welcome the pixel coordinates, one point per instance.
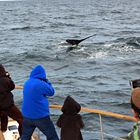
(76, 41)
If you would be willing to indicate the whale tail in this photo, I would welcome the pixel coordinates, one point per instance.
(76, 41)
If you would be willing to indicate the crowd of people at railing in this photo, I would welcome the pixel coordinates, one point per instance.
(35, 111)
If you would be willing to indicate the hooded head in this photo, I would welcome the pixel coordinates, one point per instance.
(2, 71)
(70, 106)
(38, 72)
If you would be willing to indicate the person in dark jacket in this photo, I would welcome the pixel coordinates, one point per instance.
(70, 121)
(7, 106)
(35, 107)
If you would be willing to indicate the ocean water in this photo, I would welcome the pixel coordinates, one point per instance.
(96, 73)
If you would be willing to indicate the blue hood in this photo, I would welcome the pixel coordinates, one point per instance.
(38, 72)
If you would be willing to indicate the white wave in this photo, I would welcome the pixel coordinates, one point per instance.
(101, 54)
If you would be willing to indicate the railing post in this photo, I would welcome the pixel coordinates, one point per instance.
(101, 126)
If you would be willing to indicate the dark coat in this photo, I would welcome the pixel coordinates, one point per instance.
(70, 121)
(6, 86)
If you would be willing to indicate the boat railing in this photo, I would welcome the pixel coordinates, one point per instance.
(100, 113)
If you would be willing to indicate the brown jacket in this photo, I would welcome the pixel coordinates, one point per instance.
(6, 86)
(70, 121)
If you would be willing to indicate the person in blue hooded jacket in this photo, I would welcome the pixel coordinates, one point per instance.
(35, 107)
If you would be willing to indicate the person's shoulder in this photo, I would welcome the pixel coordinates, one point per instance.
(61, 117)
(79, 116)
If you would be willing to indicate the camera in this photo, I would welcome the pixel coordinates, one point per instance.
(135, 83)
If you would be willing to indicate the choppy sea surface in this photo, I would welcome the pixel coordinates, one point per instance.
(96, 73)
